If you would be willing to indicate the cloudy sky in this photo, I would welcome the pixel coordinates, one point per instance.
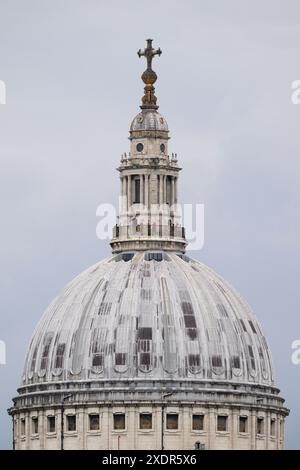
(73, 86)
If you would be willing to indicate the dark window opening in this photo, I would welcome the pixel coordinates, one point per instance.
(273, 427)
(222, 423)
(145, 333)
(235, 362)
(94, 422)
(97, 360)
(137, 188)
(260, 425)
(127, 256)
(216, 361)
(252, 360)
(51, 425)
(71, 423)
(119, 421)
(172, 421)
(243, 424)
(35, 425)
(145, 421)
(139, 147)
(120, 359)
(194, 360)
(145, 359)
(23, 422)
(243, 325)
(252, 326)
(153, 256)
(189, 321)
(198, 423)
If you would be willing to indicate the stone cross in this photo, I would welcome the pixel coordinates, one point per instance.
(149, 53)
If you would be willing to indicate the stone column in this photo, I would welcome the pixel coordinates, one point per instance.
(165, 189)
(109, 417)
(146, 191)
(253, 429)
(280, 431)
(123, 193)
(42, 433)
(82, 418)
(234, 428)
(172, 190)
(129, 191)
(142, 189)
(16, 431)
(130, 438)
(160, 189)
(211, 425)
(176, 191)
(187, 412)
(267, 428)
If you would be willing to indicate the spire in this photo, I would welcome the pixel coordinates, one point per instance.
(149, 77)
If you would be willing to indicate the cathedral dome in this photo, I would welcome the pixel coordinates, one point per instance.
(148, 315)
(148, 349)
(149, 120)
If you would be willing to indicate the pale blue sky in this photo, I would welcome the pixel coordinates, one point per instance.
(73, 86)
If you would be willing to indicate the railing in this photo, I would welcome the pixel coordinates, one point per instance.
(148, 230)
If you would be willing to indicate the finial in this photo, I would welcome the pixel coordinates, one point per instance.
(149, 77)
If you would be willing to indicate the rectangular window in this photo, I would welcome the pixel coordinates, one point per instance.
(198, 423)
(273, 427)
(34, 425)
(260, 425)
(243, 325)
(243, 424)
(222, 423)
(119, 421)
(252, 326)
(252, 360)
(137, 186)
(97, 360)
(145, 421)
(23, 422)
(172, 421)
(51, 424)
(235, 362)
(216, 361)
(94, 422)
(120, 359)
(71, 423)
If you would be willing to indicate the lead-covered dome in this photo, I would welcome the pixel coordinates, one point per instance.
(148, 315)
(149, 120)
